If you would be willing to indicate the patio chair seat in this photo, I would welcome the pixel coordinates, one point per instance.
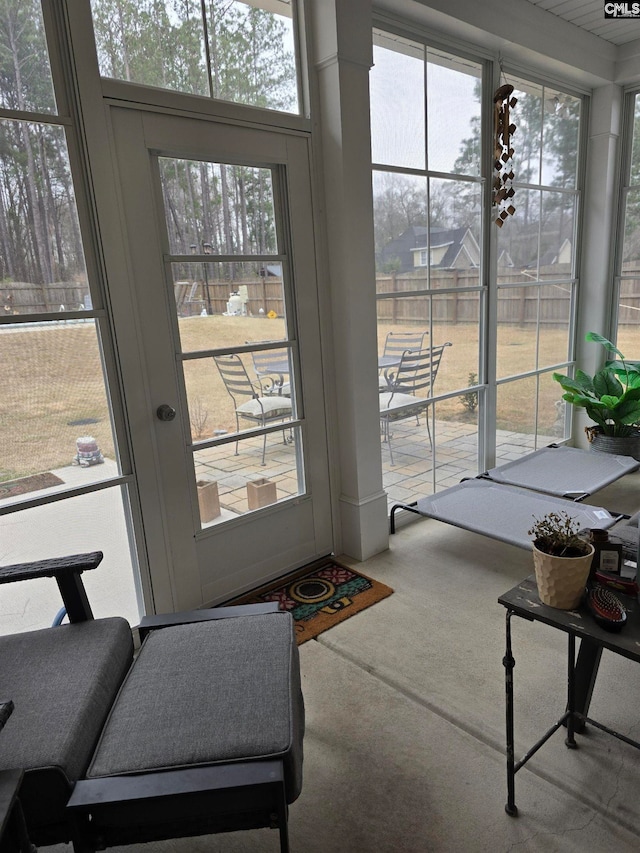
(63, 682)
(416, 372)
(401, 404)
(269, 407)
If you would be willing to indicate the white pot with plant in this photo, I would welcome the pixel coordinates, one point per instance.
(561, 559)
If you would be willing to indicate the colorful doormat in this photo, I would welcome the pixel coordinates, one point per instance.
(12, 488)
(320, 596)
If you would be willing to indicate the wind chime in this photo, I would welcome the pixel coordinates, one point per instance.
(503, 129)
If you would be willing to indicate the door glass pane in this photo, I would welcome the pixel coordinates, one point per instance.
(454, 247)
(228, 304)
(454, 90)
(449, 449)
(163, 43)
(518, 245)
(628, 314)
(561, 123)
(552, 411)
(397, 83)
(56, 418)
(527, 117)
(517, 330)
(256, 384)
(516, 419)
(556, 240)
(555, 324)
(42, 265)
(400, 225)
(455, 322)
(216, 209)
(231, 479)
(456, 439)
(227, 308)
(90, 522)
(631, 245)
(531, 414)
(628, 268)
(24, 59)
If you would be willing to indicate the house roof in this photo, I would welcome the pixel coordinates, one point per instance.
(402, 248)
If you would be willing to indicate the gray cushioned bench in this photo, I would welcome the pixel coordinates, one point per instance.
(199, 697)
(62, 682)
(202, 733)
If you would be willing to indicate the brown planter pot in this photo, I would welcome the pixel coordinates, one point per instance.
(261, 493)
(561, 580)
(208, 500)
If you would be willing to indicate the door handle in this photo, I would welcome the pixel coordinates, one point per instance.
(165, 412)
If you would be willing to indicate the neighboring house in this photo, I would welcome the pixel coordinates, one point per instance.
(443, 248)
(557, 256)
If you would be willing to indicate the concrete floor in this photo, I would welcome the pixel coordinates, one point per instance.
(404, 748)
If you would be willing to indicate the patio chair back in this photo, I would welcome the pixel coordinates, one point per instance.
(235, 377)
(271, 367)
(410, 389)
(397, 343)
(417, 371)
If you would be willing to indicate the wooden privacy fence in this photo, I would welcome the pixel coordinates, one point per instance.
(263, 296)
(550, 303)
(21, 297)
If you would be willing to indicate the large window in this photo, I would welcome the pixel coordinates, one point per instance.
(628, 257)
(504, 298)
(62, 488)
(536, 273)
(428, 202)
(242, 51)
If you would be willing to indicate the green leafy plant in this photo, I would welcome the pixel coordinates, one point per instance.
(611, 397)
(470, 399)
(557, 533)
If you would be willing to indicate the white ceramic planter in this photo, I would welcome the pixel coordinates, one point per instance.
(561, 580)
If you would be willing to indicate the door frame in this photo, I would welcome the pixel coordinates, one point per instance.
(138, 136)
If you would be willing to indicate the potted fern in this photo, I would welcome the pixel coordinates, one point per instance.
(561, 559)
(611, 398)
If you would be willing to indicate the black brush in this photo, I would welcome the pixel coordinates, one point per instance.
(606, 609)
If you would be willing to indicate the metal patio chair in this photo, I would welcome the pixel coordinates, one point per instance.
(272, 367)
(415, 374)
(258, 408)
(395, 345)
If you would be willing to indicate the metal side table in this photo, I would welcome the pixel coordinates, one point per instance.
(523, 601)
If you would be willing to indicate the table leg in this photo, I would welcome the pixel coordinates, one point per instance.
(570, 740)
(586, 671)
(509, 664)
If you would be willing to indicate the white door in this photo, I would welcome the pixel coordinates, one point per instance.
(221, 256)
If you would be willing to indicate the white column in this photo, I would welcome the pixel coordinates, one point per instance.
(342, 57)
(596, 278)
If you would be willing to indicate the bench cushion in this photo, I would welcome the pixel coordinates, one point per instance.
(209, 693)
(62, 681)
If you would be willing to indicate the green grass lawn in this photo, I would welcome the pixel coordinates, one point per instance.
(54, 392)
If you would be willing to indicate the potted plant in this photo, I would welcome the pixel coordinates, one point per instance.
(561, 559)
(611, 399)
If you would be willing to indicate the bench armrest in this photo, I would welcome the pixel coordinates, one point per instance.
(66, 571)
(167, 620)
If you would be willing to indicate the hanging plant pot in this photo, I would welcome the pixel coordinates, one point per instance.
(622, 445)
(561, 580)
